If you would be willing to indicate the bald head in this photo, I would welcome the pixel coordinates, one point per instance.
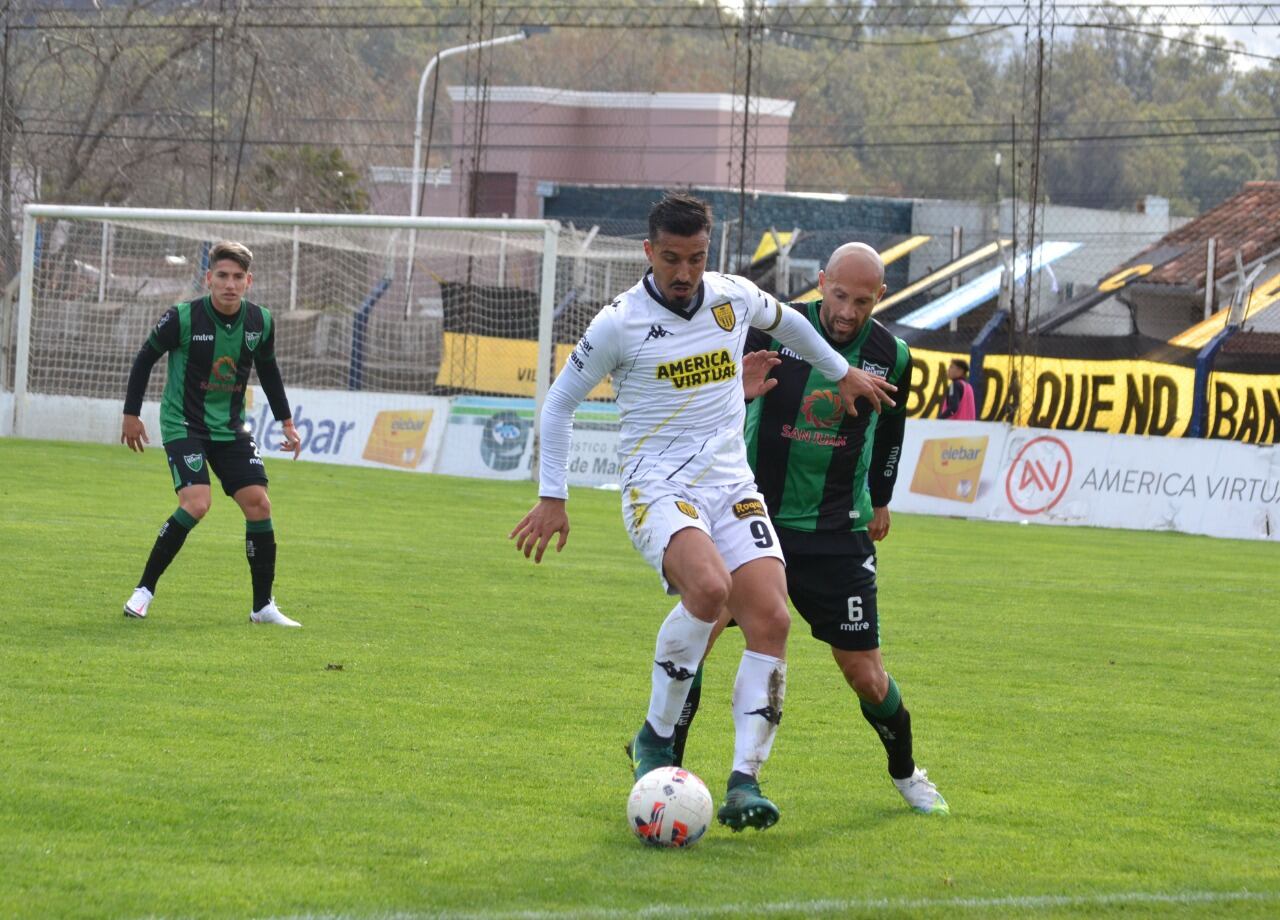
(856, 256)
(851, 286)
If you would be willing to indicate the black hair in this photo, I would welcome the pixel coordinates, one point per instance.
(680, 215)
(962, 364)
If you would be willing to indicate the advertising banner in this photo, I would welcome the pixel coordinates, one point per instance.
(492, 437)
(396, 430)
(986, 470)
(949, 468)
(1219, 488)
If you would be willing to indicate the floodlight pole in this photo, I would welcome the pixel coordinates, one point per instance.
(414, 202)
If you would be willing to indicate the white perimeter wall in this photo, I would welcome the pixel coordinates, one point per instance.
(966, 469)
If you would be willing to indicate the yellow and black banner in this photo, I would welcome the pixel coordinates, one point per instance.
(489, 364)
(1120, 396)
(1244, 407)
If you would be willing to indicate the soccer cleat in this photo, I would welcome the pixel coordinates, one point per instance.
(271, 614)
(137, 604)
(649, 751)
(745, 806)
(922, 795)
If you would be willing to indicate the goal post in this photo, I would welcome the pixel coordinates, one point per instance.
(481, 320)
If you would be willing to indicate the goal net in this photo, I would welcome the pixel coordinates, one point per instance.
(364, 305)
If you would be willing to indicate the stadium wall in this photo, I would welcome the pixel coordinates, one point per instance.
(982, 470)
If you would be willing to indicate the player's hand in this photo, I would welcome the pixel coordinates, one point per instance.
(756, 366)
(878, 529)
(535, 530)
(133, 433)
(859, 383)
(291, 440)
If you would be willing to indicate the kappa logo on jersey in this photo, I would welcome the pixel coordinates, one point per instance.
(193, 461)
(751, 507)
(823, 408)
(724, 316)
(695, 371)
(251, 339)
(656, 332)
(878, 369)
(687, 510)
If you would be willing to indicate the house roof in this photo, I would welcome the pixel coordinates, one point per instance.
(1247, 222)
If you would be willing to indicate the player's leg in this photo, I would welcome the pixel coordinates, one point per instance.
(837, 596)
(759, 604)
(694, 699)
(239, 467)
(882, 707)
(670, 532)
(190, 472)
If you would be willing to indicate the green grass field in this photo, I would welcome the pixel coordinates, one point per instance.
(445, 734)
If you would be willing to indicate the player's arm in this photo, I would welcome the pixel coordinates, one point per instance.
(594, 357)
(273, 387)
(886, 450)
(264, 361)
(165, 336)
(796, 332)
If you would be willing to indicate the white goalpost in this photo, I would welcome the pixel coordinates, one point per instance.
(94, 280)
(448, 378)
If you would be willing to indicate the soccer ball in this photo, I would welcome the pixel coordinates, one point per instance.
(669, 807)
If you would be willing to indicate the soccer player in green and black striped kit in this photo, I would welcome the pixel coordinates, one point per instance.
(212, 343)
(827, 477)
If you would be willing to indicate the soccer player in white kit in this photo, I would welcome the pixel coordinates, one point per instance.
(674, 346)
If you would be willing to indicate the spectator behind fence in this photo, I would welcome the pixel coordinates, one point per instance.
(959, 404)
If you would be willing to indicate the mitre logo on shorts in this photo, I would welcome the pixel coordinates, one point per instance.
(751, 507)
(193, 461)
(687, 509)
(724, 316)
(878, 369)
(695, 371)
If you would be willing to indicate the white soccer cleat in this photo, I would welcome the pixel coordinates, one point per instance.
(271, 614)
(137, 604)
(922, 795)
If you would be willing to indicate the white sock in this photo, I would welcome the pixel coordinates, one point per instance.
(757, 709)
(682, 641)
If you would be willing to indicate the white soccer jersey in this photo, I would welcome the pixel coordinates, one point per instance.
(677, 378)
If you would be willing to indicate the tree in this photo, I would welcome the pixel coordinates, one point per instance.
(306, 178)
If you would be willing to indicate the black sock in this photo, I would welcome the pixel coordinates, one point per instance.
(686, 716)
(260, 550)
(892, 723)
(173, 533)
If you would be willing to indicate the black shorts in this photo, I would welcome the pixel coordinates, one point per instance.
(236, 463)
(837, 597)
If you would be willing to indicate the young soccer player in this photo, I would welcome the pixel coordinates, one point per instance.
(212, 342)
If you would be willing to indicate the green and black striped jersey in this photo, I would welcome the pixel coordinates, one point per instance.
(210, 356)
(821, 470)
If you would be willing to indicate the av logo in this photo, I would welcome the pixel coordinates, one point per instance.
(1039, 475)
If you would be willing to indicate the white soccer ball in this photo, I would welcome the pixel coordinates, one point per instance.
(669, 807)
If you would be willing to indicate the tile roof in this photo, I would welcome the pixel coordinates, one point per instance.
(1248, 221)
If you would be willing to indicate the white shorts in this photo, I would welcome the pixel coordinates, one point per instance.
(734, 517)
